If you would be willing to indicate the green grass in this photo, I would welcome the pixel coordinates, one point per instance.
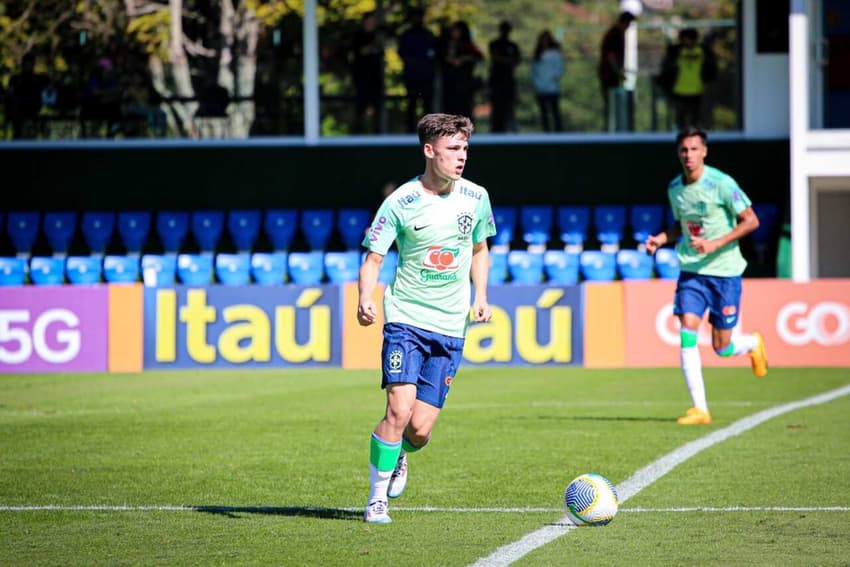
(276, 462)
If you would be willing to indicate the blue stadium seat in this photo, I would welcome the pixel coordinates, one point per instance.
(597, 265)
(244, 228)
(46, 270)
(280, 225)
(59, 228)
(13, 271)
(159, 270)
(667, 263)
(573, 223)
(352, 225)
(269, 268)
(561, 267)
(498, 266)
(207, 227)
(195, 269)
(768, 231)
(388, 268)
(233, 269)
(22, 227)
(342, 267)
(133, 228)
(505, 218)
(81, 270)
(97, 228)
(536, 226)
(307, 268)
(172, 226)
(610, 224)
(635, 265)
(525, 267)
(316, 226)
(121, 269)
(646, 220)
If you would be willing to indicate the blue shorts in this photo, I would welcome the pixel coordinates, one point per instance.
(414, 356)
(720, 295)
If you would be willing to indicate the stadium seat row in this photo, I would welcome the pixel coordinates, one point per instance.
(306, 268)
(568, 268)
(572, 224)
(207, 227)
(311, 268)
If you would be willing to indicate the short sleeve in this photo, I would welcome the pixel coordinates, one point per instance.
(485, 224)
(383, 230)
(733, 196)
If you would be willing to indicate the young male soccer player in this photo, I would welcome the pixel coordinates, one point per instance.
(714, 214)
(440, 223)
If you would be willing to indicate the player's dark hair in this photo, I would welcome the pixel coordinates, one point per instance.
(437, 125)
(689, 132)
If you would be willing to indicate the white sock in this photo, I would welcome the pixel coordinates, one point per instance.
(692, 369)
(379, 481)
(744, 344)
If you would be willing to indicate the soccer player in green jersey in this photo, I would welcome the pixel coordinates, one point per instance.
(714, 214)
(440, 223)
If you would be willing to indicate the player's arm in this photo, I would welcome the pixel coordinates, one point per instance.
(367, 280)
(656, 241)
(748, 221)
(480, 271)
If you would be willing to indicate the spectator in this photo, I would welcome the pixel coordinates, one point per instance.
(685, 70)
(612, 55)
(102, 98)
(504, 58)
(417, 48)
(367, 73)
(459, 56)
(23, 98)
(547, 68)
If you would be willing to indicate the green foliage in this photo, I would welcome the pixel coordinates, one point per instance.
(276, 465)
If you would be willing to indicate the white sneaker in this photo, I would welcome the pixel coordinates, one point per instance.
(376, 512)
(399, 478)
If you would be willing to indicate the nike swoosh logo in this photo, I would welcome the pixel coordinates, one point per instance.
(421, 227)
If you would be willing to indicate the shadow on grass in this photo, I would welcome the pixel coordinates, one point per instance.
(292, 511)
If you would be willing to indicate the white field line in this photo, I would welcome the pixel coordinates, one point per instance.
(511, 552)
(437, 509)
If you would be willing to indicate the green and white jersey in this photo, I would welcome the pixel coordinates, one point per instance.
(709, 208)
(434, 235)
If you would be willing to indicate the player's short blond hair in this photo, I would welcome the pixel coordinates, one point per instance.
(437, 125)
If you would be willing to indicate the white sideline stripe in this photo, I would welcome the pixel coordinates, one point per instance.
(460, 510)
(511, 552)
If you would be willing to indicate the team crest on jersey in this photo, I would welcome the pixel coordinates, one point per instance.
(464, 223)
(396, 357)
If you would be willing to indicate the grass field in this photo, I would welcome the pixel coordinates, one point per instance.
(244, 467)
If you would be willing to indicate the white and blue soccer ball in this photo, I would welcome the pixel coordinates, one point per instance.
(591, 500)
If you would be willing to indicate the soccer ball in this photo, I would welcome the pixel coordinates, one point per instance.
(591, 500)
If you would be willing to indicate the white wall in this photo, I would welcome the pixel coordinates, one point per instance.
(765, 84)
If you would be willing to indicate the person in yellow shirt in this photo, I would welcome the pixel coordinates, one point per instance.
(687, 67)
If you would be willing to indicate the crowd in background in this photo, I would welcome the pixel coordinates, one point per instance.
(441, 72)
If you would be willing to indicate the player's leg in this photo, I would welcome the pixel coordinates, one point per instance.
(726, 300)
(402, 360)
(689, 304)
(438, 372)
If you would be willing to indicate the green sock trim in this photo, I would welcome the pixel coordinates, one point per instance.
(728, 351)
(688, 338)
(409, 447)
(383, 455)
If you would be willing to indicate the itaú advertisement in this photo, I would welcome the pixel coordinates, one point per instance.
(802, 324)
(251, 326)
(530, 325)
(53, 329)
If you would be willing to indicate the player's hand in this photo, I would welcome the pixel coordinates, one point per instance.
(703, 246)
(481, 312)
(366, 313)
(655, 241)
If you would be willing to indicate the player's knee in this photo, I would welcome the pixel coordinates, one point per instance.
(399, 416)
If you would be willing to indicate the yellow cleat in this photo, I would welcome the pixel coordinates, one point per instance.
(758, 356)
(695, 416)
